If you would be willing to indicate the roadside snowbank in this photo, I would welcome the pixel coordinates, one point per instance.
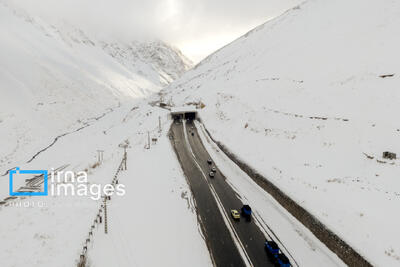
(155, 224)
(305, 248)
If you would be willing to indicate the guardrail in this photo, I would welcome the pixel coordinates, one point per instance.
(102, 213)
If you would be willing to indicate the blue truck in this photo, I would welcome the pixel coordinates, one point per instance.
(246, 212)
(272, 249)
(282, 261)
(274, 254)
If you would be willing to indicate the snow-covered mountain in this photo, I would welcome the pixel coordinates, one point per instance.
(163, 62)
(65, 94)
(310, 100)
(54, 78)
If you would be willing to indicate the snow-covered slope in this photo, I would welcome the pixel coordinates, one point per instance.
(63, 96)
(55, 79)
(155, 60)
(310, 100)
(49, 231)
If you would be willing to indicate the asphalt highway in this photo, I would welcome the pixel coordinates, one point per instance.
(231, 243)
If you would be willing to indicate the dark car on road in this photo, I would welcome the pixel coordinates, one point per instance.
(211, 174)
(282, 261)
(274, 254)
(209, 161)
(272, 249)
(246, 212)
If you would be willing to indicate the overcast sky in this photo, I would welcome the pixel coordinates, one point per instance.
(197, 27)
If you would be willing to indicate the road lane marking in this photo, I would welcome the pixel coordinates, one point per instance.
(259, 221)
(227, 221)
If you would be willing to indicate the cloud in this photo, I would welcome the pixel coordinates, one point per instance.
(206, 24)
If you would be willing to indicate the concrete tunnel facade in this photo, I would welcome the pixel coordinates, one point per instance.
(187, 113)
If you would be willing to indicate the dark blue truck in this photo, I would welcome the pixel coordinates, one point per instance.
(246, 212)
(282, 261)
(272, 249)
(279, 259)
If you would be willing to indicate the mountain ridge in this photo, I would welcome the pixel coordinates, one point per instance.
(58, 75)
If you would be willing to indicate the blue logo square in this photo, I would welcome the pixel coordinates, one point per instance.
(45, 178)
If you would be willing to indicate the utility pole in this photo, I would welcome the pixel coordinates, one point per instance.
(100, 156)
(125, 158)
(125, 146)
(148, 140)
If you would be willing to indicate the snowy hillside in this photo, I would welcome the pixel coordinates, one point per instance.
(51, 230)
(155, 60)
(63, 96)
(310, 100)
(56, 79)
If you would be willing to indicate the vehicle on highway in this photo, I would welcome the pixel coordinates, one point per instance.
(246, 212)
(213, 169)
(235, 214)
(275, 255)
(211, 174)
(209, 161)
(272, 249)
(282, 261)
(192, 133)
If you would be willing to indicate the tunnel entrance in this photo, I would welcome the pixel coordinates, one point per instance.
(187, 113)
(190, 115)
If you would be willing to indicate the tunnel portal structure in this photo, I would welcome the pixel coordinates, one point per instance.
(187, 113)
